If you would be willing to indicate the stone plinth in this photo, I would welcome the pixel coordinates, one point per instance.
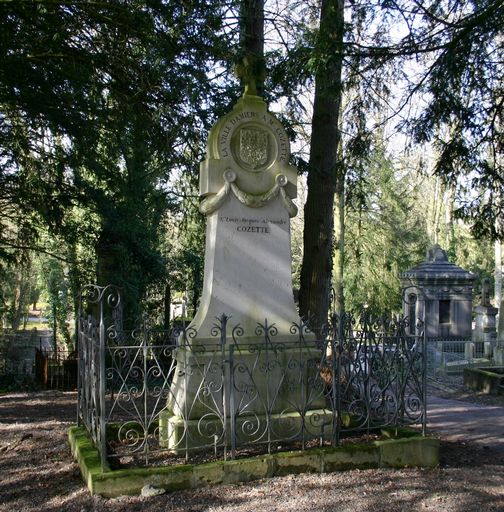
(248, 429)
(266, 390)
(485, 330)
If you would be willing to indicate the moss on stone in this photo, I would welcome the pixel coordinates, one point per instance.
(409, 450)
(245, 470)
(210, 473)
(399, 433)
(308, 461)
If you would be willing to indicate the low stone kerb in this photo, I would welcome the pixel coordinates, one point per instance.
(413, 450)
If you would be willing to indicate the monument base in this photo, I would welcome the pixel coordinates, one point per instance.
(180, 435)
(259, 380)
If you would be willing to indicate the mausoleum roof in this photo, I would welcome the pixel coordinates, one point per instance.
(437, 267)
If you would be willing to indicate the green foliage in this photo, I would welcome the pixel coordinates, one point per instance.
(24, 383)
(18, 286)
(474, 255)
(385, 235)
(104, 110)
(59, 299)
(99, 102)
(461, 87)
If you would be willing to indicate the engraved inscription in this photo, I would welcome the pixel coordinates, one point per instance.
(281, 136)
(253, 229)
(256, 225)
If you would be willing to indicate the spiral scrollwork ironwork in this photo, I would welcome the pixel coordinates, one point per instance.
(362, 373)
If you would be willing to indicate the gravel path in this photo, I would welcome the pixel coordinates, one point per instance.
(38, 474)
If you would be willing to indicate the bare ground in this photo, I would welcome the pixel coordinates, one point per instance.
(37, 474)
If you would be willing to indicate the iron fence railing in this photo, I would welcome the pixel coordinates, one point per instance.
(149, 394)
(56, 368)
(451, 354)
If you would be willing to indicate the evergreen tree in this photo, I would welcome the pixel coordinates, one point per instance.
(99, 103)
(461, 46)
(323, 172)
(386, 235)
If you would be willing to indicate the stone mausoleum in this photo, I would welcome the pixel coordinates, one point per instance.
(441, 290)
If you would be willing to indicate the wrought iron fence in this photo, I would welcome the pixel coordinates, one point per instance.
(56, 368)
(162, 395)
(453, 354)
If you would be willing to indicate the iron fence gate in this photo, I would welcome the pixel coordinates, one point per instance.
(56, 368)
(158, 394)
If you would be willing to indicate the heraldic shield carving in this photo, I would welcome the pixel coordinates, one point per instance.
(253, 147)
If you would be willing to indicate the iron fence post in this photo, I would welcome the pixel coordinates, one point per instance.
(223, 329)
(304, 393)
(102, 425)
(186, 362)
(424, 379)
(367, 370)
(337, 344)
(145, 390)
(79, 363)
(232, 417)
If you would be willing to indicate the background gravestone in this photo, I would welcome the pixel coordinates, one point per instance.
(485, 330)
(499, 345)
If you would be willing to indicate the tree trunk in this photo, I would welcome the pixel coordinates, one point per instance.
(323, 172)
(449, 227)
(436, 210)
(20, 301)
(339, 245)
(251, 68)
(498, 274)
(167, 305)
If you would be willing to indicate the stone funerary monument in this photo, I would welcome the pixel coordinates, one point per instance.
(247, 187)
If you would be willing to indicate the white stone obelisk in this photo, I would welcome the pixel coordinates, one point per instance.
(247, 187)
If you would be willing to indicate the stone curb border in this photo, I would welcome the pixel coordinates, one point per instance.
(408, 450)
(485, 379)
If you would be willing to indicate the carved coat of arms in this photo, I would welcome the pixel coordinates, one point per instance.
(253, 147)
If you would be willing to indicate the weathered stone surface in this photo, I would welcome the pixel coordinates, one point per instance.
(487, 380)
(149, 490)
(353, 456)
(247, 271)
(179, 434)
(411, 451)
(247, 185)
(267, 372)
(253, 144)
